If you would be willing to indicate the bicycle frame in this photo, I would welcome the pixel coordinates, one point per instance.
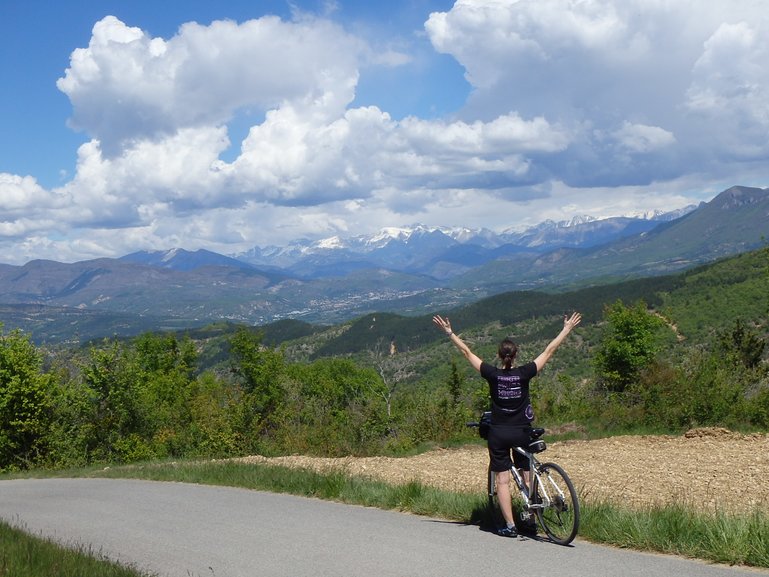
(517, 478)
(549, 496)
(536, 485)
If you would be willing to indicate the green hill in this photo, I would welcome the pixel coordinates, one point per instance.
(734, 222)
(139, 399)
(698, 302)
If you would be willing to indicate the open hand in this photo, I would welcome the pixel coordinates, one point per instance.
(572, 321)
(442, 324)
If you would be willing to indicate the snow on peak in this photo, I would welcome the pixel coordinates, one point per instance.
(390, 233)
(579, 219)
(330, 243)
(170, 254)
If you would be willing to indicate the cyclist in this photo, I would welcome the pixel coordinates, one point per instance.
(511, 411)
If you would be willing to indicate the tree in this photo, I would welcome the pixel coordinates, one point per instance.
(742, 345)
(261, 371)
(165, 377)
(629, 344)
(451, 408)
(329, 409)
(456, 384)
(393, 369)
(25, 401)
(112, 375)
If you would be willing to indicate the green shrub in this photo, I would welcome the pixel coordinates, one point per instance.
(25, 402)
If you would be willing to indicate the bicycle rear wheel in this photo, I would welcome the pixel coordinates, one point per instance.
(557, 505)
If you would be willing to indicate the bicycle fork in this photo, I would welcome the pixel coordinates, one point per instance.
(545, 497)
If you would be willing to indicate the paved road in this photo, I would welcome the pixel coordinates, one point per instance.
(177, 529)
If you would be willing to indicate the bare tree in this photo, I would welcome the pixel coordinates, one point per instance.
(393, 369)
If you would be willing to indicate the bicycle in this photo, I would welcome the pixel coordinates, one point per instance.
(552, 498)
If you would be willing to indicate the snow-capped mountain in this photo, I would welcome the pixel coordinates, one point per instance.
(403, 269)
(422, 249)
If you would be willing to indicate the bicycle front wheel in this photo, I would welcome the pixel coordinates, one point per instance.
(556, 504)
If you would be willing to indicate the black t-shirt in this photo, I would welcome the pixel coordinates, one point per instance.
(509, 389)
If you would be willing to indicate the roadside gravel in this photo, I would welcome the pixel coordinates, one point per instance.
(711, 468)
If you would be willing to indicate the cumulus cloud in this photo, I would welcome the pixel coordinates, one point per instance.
(127, 86)
(620, 75)
(26, 208)
(730, 89)
(19, 193)
(574, 106)
(642, 138)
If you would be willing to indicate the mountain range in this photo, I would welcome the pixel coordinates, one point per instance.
(425, 250)
(407, 270)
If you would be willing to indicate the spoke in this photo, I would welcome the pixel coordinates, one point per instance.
(559, 510)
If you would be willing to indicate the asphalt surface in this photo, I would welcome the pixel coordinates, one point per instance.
(186, 530)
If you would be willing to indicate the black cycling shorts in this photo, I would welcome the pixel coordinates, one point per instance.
(501, 440)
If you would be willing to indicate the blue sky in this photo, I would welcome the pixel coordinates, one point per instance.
(131, 125)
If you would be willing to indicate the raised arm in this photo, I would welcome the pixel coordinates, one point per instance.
(445, 326)
(568, 324)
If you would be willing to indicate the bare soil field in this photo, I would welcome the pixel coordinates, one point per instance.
(713, 469)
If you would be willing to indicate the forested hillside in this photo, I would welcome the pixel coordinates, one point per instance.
(699, 302)
(175, 289)
(662, 354)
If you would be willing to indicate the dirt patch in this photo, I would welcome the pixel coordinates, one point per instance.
(710, 468)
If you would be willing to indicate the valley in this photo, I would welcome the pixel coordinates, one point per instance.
(404, 271)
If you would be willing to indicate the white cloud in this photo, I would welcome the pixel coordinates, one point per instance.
(604, 105)
(127, 86)
(642, 138)
(729, 92)
(505, 134)
(19, 193)
(27, 209)
(603, 66)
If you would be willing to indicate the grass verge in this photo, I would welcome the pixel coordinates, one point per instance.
(720, 537)
(23, 555)
(681, 530)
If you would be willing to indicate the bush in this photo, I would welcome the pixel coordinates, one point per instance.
(25, 402)
(563, 400)
(629, 345)
(758, 408)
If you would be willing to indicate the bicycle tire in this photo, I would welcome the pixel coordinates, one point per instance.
(560, 518)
